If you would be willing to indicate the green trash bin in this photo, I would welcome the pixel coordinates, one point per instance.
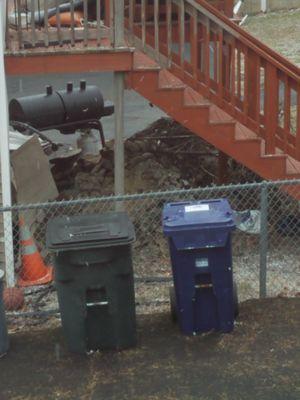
(94, 280)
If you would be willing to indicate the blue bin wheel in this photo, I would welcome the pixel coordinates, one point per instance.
(235, 300)
(173, 303)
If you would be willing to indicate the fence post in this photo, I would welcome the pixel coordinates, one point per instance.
(5, 164)
(263, 242)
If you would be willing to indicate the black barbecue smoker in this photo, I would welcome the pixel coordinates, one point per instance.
(65, 110)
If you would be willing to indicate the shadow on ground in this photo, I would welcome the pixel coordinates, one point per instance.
(260, 359)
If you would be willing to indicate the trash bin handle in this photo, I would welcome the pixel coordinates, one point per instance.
(89, 231)
(91, 263)
(183, 203)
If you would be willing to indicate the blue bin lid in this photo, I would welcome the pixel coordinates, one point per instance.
(194, 215)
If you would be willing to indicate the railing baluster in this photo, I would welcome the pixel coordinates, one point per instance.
(253, 85)
(19, 24)
(194, 43)
(169, 32)
(156, 28)
(38, 13)
(239, 89)
(246, 82)
(26, 15)
(206, 44)
(98, 5)
(143, 20)
(258, 100)
(7, 36)
(118, 22)
(46, 23)
(287, 112)
(233, 73)
(108, 11)
(72, 10)
(214, 73)
(85, 23)
(112, 20)
(182, 33)
(221, 66)
(15, 13)
(58, 23)
(271, 107)
(33, 36)
(298, 123)
(131, 16)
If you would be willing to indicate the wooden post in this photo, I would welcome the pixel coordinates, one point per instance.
(222, 168)
(5, 163)
(119, 23)
(4, 10)
(271, 107)
(107, 15)
(228, 8)
(119, 104)
(194, 43)
(298, 124)
(253, 82)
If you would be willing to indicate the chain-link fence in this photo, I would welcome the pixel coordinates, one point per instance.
(266, 243)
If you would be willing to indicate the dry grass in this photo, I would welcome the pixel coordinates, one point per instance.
(280, 31)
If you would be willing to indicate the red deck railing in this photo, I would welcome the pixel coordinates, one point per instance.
(237, 72)
(40, 24)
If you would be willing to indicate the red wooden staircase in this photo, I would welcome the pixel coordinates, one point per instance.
(220, 82)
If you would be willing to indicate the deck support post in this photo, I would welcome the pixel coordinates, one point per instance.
(119, 133)
(119, 86)
(222, 168)
(5, 164)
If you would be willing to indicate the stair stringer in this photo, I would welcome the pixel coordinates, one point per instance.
(147, 82)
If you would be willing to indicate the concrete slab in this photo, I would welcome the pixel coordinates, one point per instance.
(259, 360)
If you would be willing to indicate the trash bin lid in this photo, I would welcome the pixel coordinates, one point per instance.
(89, 231)
(197, 215)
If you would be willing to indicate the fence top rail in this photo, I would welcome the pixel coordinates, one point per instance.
(149, 195)
(246, 38)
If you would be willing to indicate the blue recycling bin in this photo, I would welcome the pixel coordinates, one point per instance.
(199, 235)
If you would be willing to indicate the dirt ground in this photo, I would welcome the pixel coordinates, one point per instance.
(279, 30)
(163, 156)
(260, 359)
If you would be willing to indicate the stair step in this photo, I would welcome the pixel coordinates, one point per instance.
(293, 167)
(143, 62)
(168, 81)
(189, 107)
(216, 115)
(243, 133)
(194, 99)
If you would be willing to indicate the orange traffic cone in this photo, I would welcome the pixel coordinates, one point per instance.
(33, 272)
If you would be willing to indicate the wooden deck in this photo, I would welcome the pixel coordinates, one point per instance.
(92, 55)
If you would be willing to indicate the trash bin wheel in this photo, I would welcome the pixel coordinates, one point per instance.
(173, 303)
(235, 300)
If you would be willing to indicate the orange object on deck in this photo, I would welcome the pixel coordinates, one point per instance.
(66, 19)
(34, 271)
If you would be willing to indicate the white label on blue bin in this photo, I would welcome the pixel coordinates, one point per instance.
(201, 262)
(197, 207)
